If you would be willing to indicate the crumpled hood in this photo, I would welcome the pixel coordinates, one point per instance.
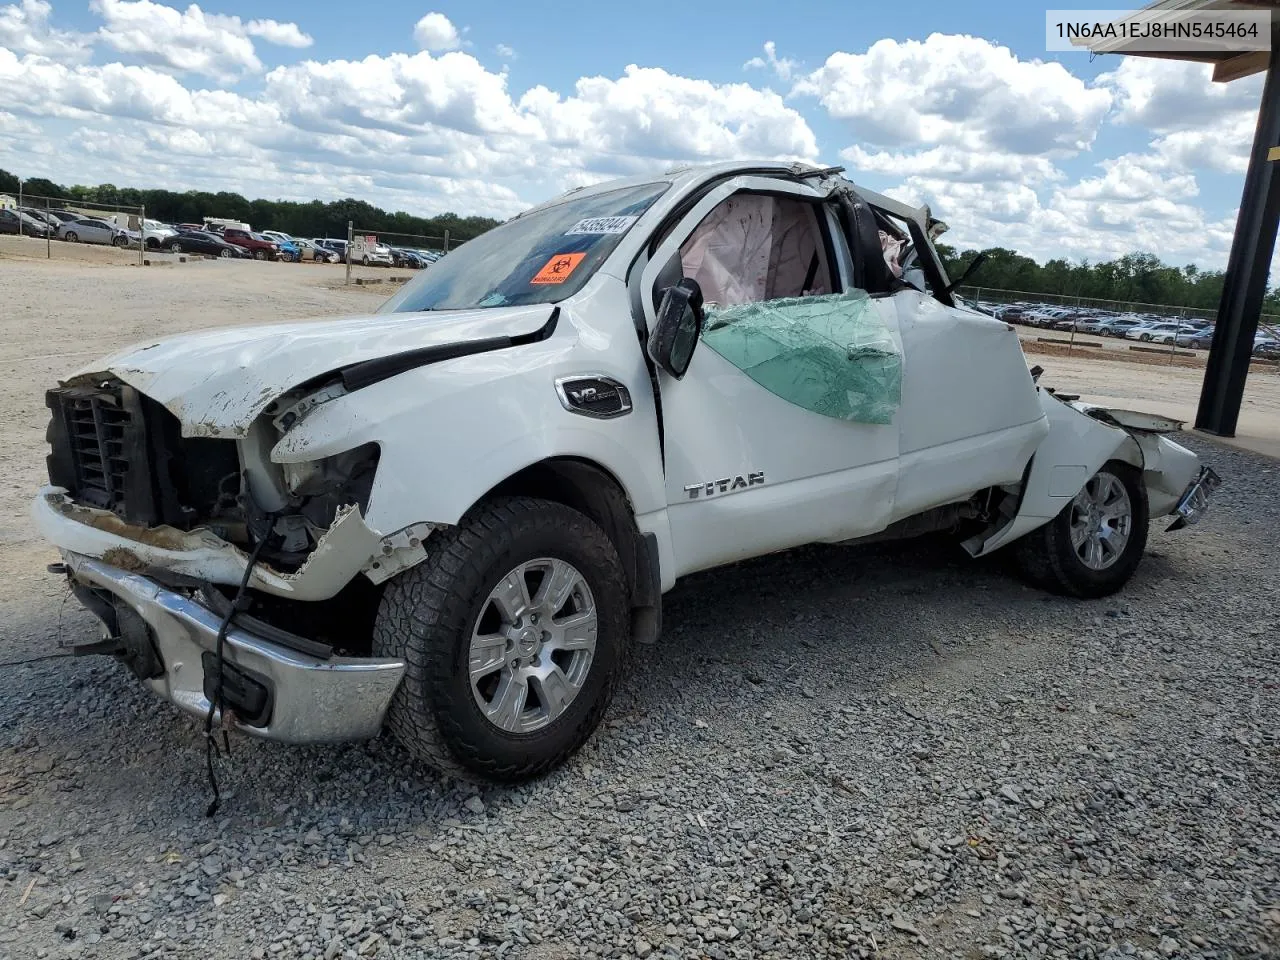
(218, 381)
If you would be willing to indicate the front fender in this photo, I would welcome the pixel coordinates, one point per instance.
(451, 431)
(1075, 447)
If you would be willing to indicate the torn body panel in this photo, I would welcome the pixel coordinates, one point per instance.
(348, 548)
(1082, 437)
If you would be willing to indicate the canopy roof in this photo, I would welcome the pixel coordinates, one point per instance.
(1227, 66)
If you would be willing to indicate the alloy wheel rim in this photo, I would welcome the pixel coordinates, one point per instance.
(532, 645)
(1101, 521)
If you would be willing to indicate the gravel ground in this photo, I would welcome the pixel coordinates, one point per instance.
(881, 752)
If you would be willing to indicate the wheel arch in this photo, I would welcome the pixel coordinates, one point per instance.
(1076, 447)
(593, 490)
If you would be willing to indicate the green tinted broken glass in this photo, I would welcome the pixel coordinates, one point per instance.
(829, 354)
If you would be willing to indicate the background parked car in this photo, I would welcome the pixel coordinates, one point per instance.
(290, 248)
(153, 232)
(337, 246)
(202, 241)
(258, 246)
(1265, 346)
(15, 222)
(1154, 332)
(403, 257)
(309, 250)
(379, 256)
(1196, 339)
(35, 213)
(93, 230)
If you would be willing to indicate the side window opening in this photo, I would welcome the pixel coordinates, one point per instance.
(776, 311)
(756, 247)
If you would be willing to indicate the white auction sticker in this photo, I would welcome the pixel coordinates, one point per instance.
(596, 225)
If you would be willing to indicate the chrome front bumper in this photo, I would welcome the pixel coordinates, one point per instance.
(1194, 502)
(312, 700)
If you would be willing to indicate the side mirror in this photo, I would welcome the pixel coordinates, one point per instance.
(679, 324)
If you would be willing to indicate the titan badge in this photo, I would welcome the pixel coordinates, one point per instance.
(726, 485)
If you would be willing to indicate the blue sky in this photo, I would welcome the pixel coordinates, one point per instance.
(488, 107)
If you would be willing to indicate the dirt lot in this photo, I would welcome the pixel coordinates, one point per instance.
(890, 752)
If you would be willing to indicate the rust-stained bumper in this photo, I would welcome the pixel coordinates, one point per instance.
(344, 550)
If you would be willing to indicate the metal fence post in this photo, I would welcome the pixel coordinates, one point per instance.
(350, 234)
(19, 210)
(446, 241)
(142, 234)
(48, 232)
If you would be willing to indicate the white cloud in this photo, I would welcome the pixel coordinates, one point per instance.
(958, 90)
(190, 40)
(957, 166)
(1166, 95)
(434, 32)
(1133, 178)
(962, 123)
(783, 66)
(505, 51)
(281, 34)
(1202, 124)
(650, 114)
(412, 128)
(24, 27)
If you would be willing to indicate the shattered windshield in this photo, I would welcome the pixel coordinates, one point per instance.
(543, 257)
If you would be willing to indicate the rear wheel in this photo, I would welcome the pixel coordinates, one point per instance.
(514, 631)
(1095, 544)
(175, 248)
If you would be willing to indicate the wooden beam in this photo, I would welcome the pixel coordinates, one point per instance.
(1241, 65)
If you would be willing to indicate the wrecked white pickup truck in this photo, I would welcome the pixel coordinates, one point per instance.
(456, 515)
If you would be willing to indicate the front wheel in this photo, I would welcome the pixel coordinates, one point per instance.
(226, 254)
(1095, 544)
(259, 254)
(514, 632)
(175, 248)
(71, 236)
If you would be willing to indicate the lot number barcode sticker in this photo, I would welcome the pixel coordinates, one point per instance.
(597, 225)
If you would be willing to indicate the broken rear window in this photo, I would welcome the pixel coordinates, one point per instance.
(543, 257)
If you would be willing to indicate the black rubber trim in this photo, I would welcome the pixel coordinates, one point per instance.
(368, 372)
(648, 587)
(220, 604)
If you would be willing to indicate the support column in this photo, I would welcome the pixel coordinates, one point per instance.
(1247, 267)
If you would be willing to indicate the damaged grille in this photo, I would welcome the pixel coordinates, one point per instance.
(115, 449)
(98, 430)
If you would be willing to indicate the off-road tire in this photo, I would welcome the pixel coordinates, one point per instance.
(426, 617)
(1046, 558)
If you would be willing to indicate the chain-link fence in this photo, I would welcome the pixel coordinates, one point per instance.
(384, 248)
(1093, 322)
(56, 222)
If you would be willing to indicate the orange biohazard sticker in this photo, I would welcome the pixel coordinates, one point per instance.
(558, 268)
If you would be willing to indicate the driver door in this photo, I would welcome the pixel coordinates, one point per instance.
(747, 471)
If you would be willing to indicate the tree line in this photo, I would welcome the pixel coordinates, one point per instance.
(1134, 277)
(312, 219)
